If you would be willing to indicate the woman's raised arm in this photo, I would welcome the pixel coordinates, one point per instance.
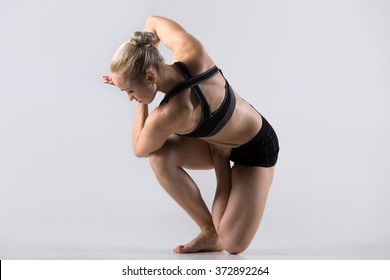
(174, 37)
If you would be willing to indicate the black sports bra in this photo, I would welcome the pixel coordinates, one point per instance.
(210, 123)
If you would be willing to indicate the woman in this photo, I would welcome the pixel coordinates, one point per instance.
(200, 124)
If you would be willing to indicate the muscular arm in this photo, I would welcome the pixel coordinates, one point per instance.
(174, 37)
(141, 115)
(151, 131)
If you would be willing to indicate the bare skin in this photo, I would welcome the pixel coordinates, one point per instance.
(241, 191)
(237, 208)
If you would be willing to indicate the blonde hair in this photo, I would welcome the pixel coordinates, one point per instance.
(136, 56)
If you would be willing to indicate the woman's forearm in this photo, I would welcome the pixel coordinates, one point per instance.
(151, 26)
(169, 33)
(141, 115)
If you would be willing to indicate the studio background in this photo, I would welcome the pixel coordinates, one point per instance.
(70, 187)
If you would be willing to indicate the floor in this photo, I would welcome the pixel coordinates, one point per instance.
(344, 252)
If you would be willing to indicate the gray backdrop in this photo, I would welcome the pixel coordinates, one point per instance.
(319, 71)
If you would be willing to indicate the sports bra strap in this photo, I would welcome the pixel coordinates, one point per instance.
(192, 82)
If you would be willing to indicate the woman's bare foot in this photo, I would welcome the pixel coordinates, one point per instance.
(204, 242)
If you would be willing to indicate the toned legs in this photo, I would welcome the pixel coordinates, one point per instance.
(167, 164)
(245, 208)
(237, 210)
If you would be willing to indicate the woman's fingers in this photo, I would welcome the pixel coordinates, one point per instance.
(107, 80)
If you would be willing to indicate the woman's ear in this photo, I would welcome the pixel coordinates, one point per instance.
(151, 77)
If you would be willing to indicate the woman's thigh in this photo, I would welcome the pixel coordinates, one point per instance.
(248, 196)
(189, 153)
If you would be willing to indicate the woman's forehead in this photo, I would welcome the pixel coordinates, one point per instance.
(119, 80)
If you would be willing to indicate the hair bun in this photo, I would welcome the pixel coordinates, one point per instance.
(143, 39)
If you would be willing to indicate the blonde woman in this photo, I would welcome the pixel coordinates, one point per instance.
(201, 123)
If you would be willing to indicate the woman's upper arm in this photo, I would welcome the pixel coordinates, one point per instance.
(173, 36)
(159, 125)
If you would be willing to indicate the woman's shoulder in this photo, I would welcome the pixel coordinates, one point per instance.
(197, 63)
(174, 113)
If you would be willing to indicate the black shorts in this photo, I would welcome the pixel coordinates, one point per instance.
(261, 151)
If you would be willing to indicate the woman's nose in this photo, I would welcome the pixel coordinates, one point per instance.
(131, 97)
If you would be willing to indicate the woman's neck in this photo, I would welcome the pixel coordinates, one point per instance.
(170, 76)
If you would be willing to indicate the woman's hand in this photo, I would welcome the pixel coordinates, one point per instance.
(107, 80)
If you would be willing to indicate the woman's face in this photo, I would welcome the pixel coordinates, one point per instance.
(142, 92)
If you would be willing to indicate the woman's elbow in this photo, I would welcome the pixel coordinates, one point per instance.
(140, 154)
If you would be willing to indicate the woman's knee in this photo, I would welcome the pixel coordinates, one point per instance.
(163, 158)
(235, 247)
(159, 162)
(234, 244)
(156, 162)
